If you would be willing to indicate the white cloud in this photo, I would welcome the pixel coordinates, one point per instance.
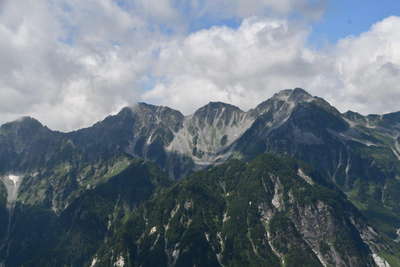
(368, 66)
(247, 65)
(71, 63)
(239, 66)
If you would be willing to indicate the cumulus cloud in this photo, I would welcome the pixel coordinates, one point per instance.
(368, 67)
(247, 65)
(71, 63)
(239, 66)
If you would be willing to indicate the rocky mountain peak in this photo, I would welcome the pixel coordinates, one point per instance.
(159, 115)
(295, 95)
(23, 129)
(211, 106)
(144, 108)
(24, 122)
(211, 129)
(284, 100)
(217, 113)
(300, 95)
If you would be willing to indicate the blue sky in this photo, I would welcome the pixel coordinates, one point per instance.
(343, 18)
(340, 19)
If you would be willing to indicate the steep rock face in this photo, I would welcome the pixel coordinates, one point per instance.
(269, 212)
(154, 131)
(142, 131)
(209, 131)
(307, 128)
(26, 145)
(281, 104)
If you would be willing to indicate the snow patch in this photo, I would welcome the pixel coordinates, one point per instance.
(396, 149)
(348, 165)
(320, 257)
(149, 139)
(396, 153)
(14, 178)
(274, 250)
(380, 262)
(175, 210)
(175, 254)
(188, 204)
(172, 215)
(12, 183)
(305, 177)
(354, 124)
(277, 199)
(207, 235)
(94, 261)
(364, 142)
(226, 217)
(155, 242)
(153, 230)
(398, 236)
(221, 242)
(120, 262)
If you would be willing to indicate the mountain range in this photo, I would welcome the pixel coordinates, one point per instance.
(292, 182)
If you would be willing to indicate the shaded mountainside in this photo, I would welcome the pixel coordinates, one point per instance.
(272, 211)
(47, 174)
(40, 236)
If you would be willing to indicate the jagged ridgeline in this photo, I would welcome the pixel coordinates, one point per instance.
(152, 187)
